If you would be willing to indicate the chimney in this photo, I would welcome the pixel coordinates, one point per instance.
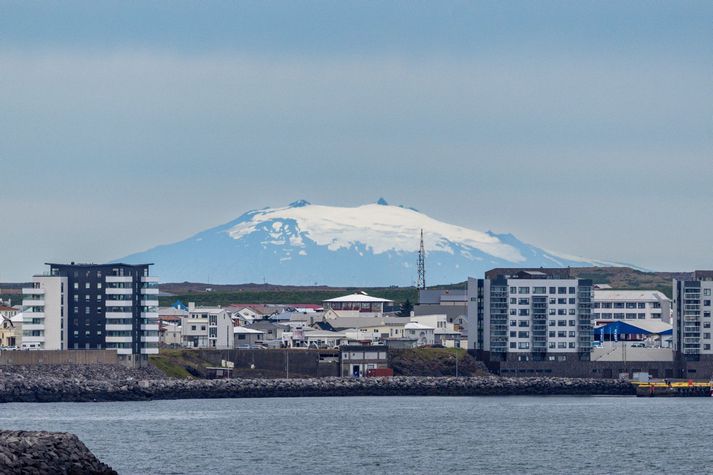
(191, 306)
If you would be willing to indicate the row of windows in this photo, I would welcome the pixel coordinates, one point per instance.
(525, 312)
(552, 334)
(622, 316)
(624, 304)
(543, 290)
(524, 345)
(552, 301)
(552, 323)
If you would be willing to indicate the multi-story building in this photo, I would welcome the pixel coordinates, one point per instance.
(530, 314)
(692, 332)
(206, 327)
(610, 305)
(97, 306)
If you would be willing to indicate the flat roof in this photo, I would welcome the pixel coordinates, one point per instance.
(631, 295)
(80, 264)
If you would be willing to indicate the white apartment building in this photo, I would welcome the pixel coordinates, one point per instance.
(530, 314)
(609, 305)
(692, 307)
(93, 306)
(206, 327)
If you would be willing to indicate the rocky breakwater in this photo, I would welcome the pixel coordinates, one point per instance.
(47, 387)
(47, 453)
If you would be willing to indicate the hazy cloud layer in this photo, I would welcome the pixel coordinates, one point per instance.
(570, 130)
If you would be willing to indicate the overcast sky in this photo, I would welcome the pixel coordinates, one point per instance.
(581, 127)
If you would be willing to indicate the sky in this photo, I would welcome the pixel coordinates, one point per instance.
(581, 127)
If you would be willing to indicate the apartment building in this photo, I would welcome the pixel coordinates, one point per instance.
(93, 306)
(206, 327)
(611, 305)
(530, 314)
(692, 317)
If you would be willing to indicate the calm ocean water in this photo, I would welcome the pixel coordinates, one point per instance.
(368, 435)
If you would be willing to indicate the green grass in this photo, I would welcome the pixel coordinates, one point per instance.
(284, 297)
(185, 364)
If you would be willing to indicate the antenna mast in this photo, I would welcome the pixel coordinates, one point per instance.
(421, 265)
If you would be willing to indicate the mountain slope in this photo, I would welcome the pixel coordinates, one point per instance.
(373, 244)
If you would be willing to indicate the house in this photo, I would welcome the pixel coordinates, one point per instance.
(369, 328)
(272, 331)
(361, 302)
(7, 312)
(170, 335)
(323, 339)
(207, 327)
(357, 360)
(423, 334)
(246, 338)
(11, 331)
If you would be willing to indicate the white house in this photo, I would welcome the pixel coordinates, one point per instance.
(423, 334)
(361, 303)
(206, 327)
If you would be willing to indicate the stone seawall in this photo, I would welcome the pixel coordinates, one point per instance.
(15, 388)
(47, 453)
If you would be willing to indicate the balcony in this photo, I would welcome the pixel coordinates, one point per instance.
(119, 278)
(33, 291)
(110, 327)
(33, 303)
(149, 351)
(118, 291)
(119, 339)
(152, 315)
(150, 339)
(118, 303)
(33, 339)
(149, 291)
(149, 303)
(110, 315)
(149, 279)
(30, 314)
(150, 327)
(33, 326)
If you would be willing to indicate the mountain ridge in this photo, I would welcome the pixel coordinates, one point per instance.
(374, 244)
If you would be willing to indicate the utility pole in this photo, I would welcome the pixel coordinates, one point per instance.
(421, 284)
(287, 363)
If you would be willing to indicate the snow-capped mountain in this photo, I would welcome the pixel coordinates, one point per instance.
(374, 244)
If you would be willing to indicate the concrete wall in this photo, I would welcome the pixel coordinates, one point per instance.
(301, 362)
(85, 357)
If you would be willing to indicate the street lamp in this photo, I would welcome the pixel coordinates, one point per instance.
(456, 358)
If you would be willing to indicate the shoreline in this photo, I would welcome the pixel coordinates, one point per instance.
(48, 389)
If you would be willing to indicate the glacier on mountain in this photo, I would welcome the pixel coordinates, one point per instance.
(369, 245)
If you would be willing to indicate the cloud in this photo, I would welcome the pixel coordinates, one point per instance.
(194, 138)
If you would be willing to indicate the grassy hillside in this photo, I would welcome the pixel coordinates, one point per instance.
(285, 296)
